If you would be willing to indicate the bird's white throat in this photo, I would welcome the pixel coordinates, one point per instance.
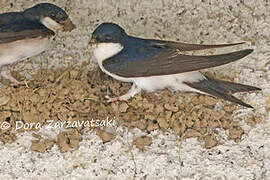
(50, 23)
(104, 51)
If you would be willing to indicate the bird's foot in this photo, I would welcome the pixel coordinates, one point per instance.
(132, 92)
(14, 82)
(19, 83)
(119, 98)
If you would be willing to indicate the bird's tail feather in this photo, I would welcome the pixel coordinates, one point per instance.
(222, 89)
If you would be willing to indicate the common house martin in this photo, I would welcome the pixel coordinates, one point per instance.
(153, 65)
(27, 33)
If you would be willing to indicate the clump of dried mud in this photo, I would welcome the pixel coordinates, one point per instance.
(76, 95)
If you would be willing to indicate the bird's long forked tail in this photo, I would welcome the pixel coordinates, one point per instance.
(222, 89)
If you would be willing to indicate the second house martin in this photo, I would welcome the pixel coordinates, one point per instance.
(27, 33)
(153, 65)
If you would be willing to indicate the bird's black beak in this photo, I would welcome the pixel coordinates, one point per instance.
(68, 25)
(93, 41)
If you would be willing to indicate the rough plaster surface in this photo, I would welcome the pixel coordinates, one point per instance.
(205, 21)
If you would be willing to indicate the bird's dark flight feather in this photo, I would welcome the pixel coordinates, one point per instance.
(222, 89)
(190, 47)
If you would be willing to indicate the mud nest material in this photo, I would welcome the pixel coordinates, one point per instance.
(75, 94)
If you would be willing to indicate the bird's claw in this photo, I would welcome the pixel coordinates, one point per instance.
(110, 100)
(19, 83)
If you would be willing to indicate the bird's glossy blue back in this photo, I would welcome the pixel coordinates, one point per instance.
(137, 49)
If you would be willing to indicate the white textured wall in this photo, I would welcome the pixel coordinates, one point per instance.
(205, 21)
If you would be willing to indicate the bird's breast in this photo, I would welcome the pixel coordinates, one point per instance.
(13, 52)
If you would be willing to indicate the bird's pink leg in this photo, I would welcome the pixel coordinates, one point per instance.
(5, 73)
(132, 92)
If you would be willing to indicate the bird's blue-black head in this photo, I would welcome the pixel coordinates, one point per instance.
(43, 10)
(109, 33)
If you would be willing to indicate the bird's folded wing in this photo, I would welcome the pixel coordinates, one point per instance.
(186, 46)
(193, 47)
(10, 17)
(167, 62)
(22, 30)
